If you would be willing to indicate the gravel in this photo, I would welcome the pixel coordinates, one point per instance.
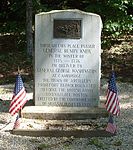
(122, 141)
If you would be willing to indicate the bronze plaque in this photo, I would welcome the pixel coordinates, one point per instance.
(67, 29)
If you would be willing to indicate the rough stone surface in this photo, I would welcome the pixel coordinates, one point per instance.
(67, 63)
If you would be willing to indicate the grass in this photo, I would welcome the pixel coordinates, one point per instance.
(43, 146)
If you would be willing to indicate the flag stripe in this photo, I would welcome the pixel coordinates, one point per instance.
(114, 106)
(17, 99)
(18, 105)
(111, 127)
(17, 108)
(17, 102)
(23, 95)
(19, 96)
(112, 102)
(109, 106)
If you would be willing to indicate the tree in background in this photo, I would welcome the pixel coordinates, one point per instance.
(117, 15)
(29, 32)
(12, 16)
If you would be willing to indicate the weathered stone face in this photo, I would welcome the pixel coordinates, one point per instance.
(67, 58)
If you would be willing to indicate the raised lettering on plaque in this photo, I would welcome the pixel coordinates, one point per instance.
(68, 29)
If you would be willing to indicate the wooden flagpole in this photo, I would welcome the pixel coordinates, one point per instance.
(112, 67)
(18, 70)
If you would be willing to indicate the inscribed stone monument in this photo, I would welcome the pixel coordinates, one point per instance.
(67, 58)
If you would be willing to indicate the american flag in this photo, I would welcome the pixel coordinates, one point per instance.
(19, 96)
(111, 127)
(17, 122)
(112, 102)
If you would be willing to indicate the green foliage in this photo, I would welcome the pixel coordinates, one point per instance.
(12, 27)
(38, 7)
(43, 146)
(117, 143)
(117, 15)
(97, 143)
(12, 16)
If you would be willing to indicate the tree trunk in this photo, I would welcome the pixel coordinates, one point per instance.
(29, 33)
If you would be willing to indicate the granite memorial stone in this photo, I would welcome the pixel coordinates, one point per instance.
(67, 58)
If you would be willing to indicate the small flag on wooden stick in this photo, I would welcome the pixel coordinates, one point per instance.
(19, 96)
(112, 102)
(111, 127)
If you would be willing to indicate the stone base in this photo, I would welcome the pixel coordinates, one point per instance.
(63, 113)
(61, 133)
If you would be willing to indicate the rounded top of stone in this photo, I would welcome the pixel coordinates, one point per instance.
(68, 10)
